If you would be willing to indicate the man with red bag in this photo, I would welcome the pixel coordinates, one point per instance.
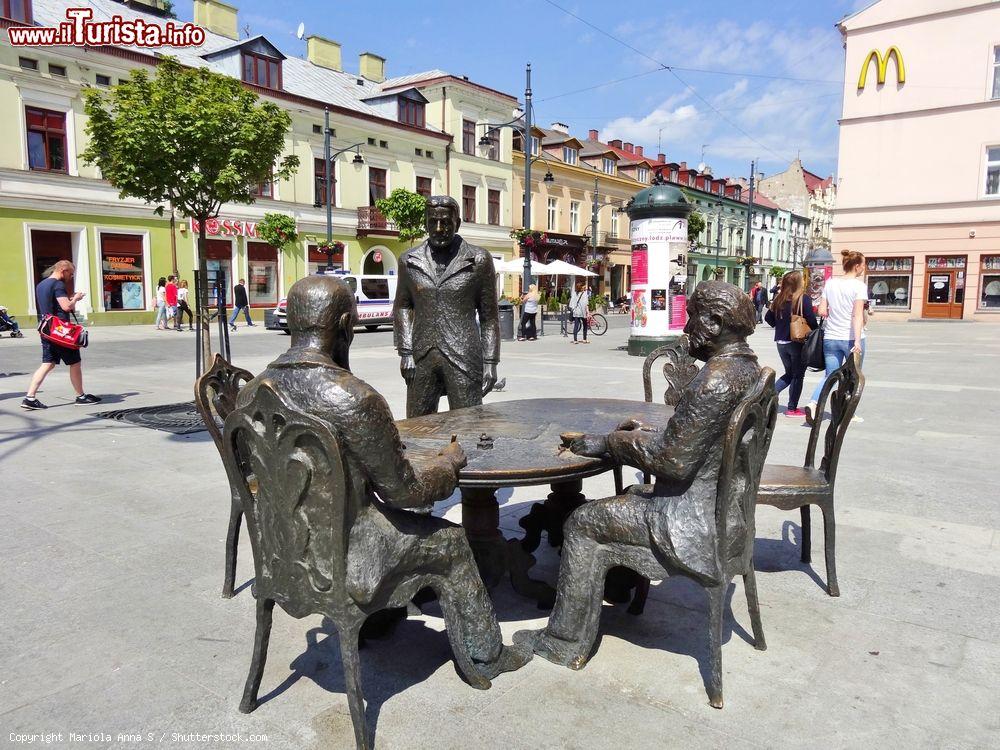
(52, 298)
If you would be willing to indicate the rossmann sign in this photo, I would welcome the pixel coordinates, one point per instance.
(226, 228)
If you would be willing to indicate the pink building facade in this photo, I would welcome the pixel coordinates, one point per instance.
(919, 166)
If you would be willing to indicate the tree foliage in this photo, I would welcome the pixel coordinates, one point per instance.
(277, 230)
(187, 137)
(696, 225)
(407, 210)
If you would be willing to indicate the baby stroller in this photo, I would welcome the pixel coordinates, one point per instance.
(9, 323)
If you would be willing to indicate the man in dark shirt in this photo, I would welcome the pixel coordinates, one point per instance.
(240, 302)
(51, 298)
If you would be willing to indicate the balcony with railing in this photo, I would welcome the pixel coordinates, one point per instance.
(371, 221)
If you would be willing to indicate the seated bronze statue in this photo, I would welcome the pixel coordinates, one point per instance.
(387, 543)
(669, 527)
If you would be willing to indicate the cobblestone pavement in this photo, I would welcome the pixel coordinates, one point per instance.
(112, 625)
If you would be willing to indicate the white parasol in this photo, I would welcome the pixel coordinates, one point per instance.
(562, 268)
(516, 266)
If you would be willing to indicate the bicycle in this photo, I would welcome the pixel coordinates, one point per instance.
(597, 323)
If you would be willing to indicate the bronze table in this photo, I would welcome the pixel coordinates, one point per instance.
(516, 444)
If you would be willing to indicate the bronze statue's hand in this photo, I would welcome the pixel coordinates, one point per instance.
(630, 424)
(454, 453)
(594, 446)
(489, 377)
(407, 367)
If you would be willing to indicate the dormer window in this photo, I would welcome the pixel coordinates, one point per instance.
(535, 145)
(16, 10)
(261, 70)
(608, 165)
(570, 155)
(642, 174)
(411, 112)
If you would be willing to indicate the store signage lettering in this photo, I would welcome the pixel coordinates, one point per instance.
(881, 65)
(122, 268)
(662, 230)
(226, 227)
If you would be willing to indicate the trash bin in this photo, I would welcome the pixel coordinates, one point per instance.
(506, 320)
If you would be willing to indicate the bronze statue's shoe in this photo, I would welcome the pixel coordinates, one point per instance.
(552, 649)
(510, 659)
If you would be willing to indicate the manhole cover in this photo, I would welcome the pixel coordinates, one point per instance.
(180, 419)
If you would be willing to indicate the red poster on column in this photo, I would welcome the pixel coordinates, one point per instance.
(640, 264)
(678, 311)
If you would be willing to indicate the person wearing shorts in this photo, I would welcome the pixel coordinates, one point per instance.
(52, 298)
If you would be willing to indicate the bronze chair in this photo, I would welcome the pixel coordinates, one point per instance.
(288, 472)
(215, 393)
(790, 487)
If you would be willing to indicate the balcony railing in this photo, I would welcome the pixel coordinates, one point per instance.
(371, 221)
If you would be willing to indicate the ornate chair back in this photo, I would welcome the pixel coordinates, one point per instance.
(678, 369)
(296, 515)
(744, 448)
(843, 390)
(215, 393)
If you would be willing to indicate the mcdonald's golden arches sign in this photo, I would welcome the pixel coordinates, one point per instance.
(881, 64)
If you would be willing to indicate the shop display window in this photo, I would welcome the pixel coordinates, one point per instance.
(262, 279)
(890, 282)
(123, 280)
(989, 287)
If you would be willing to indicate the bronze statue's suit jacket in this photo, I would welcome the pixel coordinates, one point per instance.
(433, 311)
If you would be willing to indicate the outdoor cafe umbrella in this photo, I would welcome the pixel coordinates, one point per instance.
(559, 268)
(516, 266)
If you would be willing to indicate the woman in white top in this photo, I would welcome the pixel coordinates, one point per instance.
(529, 300)
(183, 308)
(843, 306)
(161, 304)
(579, 306)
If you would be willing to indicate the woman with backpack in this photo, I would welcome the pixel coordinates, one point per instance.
(792, 317)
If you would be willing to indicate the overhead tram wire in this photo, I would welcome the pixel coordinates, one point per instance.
(673, 72)
(601, 85)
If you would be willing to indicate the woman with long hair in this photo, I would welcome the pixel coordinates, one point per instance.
(529, 302)
(791, 301)
(843, 306)
(182, 307)
(161, 304)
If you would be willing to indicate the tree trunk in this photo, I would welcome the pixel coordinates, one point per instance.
(203, 321)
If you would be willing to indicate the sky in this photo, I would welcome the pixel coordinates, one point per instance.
(728, 96)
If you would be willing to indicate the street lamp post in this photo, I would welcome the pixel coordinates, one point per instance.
(718, 235)
(330, 180)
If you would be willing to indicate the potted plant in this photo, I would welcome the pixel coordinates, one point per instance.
(277, 230)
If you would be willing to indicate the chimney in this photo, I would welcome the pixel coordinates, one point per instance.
(592, 135)
(217, 17)
(638, 150)
(561, 127)
(616, 143)
(371, 67)
(628, 147)
(684, 165)
(323, 52)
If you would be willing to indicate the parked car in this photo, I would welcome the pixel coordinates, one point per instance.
(374, 294)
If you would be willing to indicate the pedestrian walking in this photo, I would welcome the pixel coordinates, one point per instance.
(170, 297)
(52, 298)
(240, 302)
(161, 304)
(843, 306)
(792, 317)
(579, 306)
(529, 312)
(182, 307)
(759, 297)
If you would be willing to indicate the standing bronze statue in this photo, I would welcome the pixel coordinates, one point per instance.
(444, 284)
(669, 527)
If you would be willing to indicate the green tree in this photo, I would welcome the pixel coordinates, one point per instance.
(407, 210)
(188, 138)
(696, 225)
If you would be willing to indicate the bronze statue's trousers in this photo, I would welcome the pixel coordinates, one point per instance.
(436, 376)
(388, 544)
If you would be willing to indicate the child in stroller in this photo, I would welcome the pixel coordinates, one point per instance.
(9, 323)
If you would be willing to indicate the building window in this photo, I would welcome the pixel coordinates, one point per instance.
(122, 277)
(989, 287)
(993, 171)
(642, 174)
(27, 63)
(264, 189)
(469, 203)
(46, 140)
(535, 144)
(429, 154)
(570, 155)
(493, 204)
(494, 150)
(376, 184)
(57, 70)
(550, 214)
(469, 137)
(16, 10)
(319, 169)
(996, 72)
(102, 80)
(614, 223)
(608, 165)
(890, 281)
(261, 70)
(383, 144)
(574, 217)
(262, 279)
(411, 112)
(418, 152)
(424, 186)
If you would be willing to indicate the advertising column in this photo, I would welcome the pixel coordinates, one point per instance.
(658, 301)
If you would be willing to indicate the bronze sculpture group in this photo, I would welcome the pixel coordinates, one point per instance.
(339, 517)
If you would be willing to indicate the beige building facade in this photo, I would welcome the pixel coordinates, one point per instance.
(919, 172)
